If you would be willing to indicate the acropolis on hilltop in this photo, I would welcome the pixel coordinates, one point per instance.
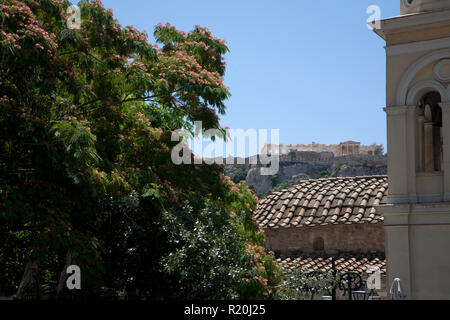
(341, 149)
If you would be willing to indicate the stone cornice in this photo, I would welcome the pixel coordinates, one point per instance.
(415, 214)
(410, 22)
(398, 110)
(426, 45)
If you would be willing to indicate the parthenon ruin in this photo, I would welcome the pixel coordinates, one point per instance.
(341, 149)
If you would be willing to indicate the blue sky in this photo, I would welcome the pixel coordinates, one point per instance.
(309, 68)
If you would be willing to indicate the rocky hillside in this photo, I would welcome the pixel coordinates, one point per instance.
(305, 165)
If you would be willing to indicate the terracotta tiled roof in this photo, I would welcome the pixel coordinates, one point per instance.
(324, 201)
(343, 263)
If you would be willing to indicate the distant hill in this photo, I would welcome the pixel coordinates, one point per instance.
(298, 166)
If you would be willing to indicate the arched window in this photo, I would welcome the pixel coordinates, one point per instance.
(430, 133)
(319, 244)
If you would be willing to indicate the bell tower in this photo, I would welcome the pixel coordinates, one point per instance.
(416, 6)
(417, 218)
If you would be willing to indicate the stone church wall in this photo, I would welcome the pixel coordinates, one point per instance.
(335, 238)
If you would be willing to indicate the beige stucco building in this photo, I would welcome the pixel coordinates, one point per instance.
(417, 213)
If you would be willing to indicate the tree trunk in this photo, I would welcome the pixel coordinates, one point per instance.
(63, 276)
(31, 271)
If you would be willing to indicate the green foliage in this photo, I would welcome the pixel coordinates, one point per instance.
(208, 263)
(325, 173)
(86, 118)
(79, 141)
(239, 176)
(274, 180)
(301, 285)
(338, 166)
(284, 185)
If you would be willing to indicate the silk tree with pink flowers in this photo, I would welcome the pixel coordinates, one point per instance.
(86, 178)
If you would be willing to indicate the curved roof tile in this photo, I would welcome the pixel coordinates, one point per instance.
(343, 263)
(324, 201)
